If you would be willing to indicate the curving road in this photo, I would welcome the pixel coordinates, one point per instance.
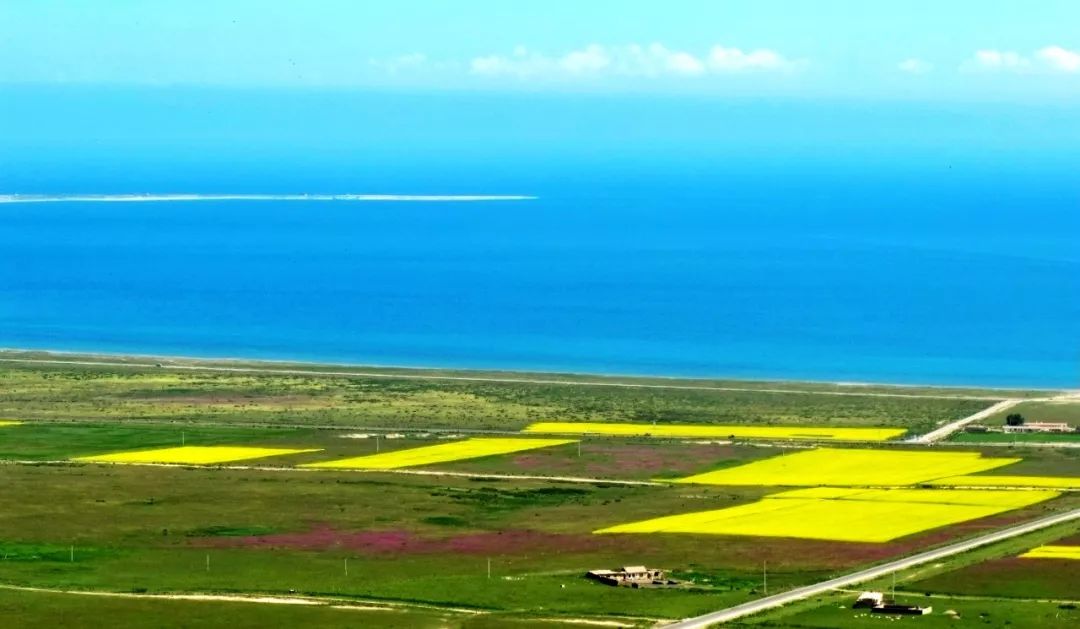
(798, 594)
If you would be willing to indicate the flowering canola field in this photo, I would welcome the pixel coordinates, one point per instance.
(442, 453)
(844, 467)
(8, 422)
(1048, 482)
(193, 455)
(836, 514)
(1053, 552)
(713, 431)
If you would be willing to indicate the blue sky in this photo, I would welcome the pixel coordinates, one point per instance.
(508, 96)
(911, 49)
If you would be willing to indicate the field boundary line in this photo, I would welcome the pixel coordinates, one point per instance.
(265, 599)
(504, 380)
(271, 468)
(808, 591)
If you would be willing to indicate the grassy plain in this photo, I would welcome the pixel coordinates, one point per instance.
(45, 609)
(1013, 438)
(1040, 411)
(402, 399)
(406, 538)
(409, 539)
(834, 612)
(987, 587)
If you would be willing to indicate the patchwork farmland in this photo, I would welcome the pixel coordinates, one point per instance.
(425, 499)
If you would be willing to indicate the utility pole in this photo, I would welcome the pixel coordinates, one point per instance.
(765, 576)
(346, 566)
(208, 562)
(489, 567)
(183, 438)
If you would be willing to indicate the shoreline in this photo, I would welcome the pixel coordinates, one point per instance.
(30, 355)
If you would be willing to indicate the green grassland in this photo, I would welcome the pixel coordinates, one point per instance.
(150, 529)
(1056, 411)
(46, 609)
(1037, 411)
(410, 539)
(1014, 438)
(988, 587)
(129, 394)
(835, 613)
(424, 542)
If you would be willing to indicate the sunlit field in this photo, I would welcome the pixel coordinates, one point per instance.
(716, 432)
(851, 468)
(1053, 552)
(878, 515)
(192, 455)
(441, 453)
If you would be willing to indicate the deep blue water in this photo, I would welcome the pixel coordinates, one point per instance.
(871, 242)
(676, 280)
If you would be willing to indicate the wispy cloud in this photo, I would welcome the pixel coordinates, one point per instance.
(915, 66)
(1060, 58)
(633, 60)
(1047, 59)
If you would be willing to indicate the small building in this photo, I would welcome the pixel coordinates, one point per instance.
(869, 599)
(632, 576)
(1058, 427)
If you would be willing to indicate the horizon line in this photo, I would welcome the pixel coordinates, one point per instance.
(165, 198)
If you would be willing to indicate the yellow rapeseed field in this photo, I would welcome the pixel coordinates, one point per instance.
(1053, 552)
(1048, 482)
(1003, 499)
(850, 468)
(193, 455)
(842, 515)
(698, 431)
(8, 422)
(441, 453)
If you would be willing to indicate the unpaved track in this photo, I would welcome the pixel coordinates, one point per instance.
(314, 601)
(798, 594)
(339, 602)
(942, 433)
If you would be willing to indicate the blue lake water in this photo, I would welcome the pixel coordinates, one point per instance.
(675, 280)
(897, 242)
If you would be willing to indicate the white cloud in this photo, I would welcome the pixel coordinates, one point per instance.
(998, 60)
(915, 66)
(634, 60)
(735, 60)
(1060, 58)
(1045, 60)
